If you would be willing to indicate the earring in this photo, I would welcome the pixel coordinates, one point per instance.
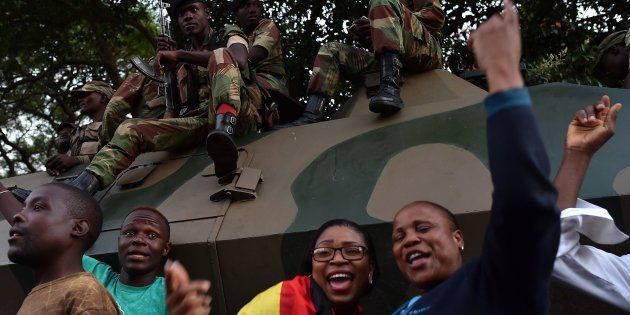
(370, 278)
(461, 248)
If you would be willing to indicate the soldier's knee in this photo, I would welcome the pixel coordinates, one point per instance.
(221, 56)
(331, 49)
(125, 126)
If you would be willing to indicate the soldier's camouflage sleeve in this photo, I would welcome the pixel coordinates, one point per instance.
(431, 14)
(267, 35)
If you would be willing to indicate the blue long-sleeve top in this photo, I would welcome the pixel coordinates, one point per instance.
(512, 274)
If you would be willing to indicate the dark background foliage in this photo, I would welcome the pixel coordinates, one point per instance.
(49, 47)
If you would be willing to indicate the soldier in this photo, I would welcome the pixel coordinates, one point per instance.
(396, 38)
(265, 55)
(223, 101)
(64, 137)
(83, 141)
(612, 65)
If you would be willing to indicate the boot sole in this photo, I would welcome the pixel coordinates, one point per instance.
(223, 152)
(384, 107)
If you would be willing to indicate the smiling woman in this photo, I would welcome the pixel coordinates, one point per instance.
(343, 268)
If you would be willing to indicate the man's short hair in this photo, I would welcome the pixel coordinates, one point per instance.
(80, 205)
(447, 213)
(158, 213)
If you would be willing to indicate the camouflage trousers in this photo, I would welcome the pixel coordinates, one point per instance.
(136, 136)
(394, 28)
(137, 96)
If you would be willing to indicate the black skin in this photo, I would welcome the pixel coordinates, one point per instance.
(362, 32)
(44, 236)
(248, 16)
(63, 139)
(93, 105)
(614, 65)
(192, 19)
(142, 245)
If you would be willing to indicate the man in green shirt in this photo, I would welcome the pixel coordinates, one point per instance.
(142, 245)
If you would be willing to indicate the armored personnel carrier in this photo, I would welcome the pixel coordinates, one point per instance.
(359, 166)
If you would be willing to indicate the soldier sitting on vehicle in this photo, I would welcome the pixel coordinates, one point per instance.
(265, 58)
(219, 103)
(64, 137)
(396, 38)
(83, 142)
(612, 65)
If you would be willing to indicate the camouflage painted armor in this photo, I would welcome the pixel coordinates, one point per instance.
(137, 96)
(415, 35)
(84, 143)
(270, 72)
(225, 83)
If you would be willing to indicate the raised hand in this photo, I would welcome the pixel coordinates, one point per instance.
(165, 43)
(184, 296)
(497, 48)
(592, 126)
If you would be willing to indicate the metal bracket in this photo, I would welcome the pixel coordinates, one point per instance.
(243, 186)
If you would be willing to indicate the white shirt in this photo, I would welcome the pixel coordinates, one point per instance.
(602, 274)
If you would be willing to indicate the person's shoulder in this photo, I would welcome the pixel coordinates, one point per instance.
(229, 30)
(92, 294)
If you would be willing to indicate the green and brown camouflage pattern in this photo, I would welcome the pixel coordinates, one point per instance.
(270, 72)
(356, 167)
(415, 35)
(138, 96)
(84, 141)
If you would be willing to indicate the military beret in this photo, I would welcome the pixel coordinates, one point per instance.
(65, 125)
(237, 4)
(610, 41)
(175, 4)
(94, 86)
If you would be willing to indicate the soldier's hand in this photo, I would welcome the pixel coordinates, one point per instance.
(60, 163)
(165, 61)
(497, 48)
(360, 27)
(592, 126)
(165, 43)
(184, 296)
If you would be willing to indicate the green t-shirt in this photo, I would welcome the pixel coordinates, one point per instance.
(146, 300)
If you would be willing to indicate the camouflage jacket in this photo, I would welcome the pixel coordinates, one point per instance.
(270, 72)
(84, 143)
(429, 12)
(192, 81)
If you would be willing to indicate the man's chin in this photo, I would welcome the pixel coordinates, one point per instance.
(17, 256)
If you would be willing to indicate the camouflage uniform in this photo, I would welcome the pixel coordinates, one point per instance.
(85, 142)
(137, 96)
(270, 72)
(225, 84)
(415, 35)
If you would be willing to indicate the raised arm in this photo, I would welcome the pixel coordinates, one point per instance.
(524, 230)
(590, 128)
(9, 206)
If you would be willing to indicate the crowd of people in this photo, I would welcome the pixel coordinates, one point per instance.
(235, 76)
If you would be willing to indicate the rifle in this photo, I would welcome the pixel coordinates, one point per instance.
(166, 87)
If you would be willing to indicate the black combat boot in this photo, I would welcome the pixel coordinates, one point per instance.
(19, 193)
(388, 98)
(313, 112)
(222, 148)
(86, 181)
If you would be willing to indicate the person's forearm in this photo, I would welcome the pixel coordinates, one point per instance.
(503, 77)
(198, 58)
(257, 54)
(570, 177)
(9, 206)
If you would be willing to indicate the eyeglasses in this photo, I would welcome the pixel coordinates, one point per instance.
(326, 254)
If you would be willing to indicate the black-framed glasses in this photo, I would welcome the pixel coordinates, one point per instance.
(325, 254)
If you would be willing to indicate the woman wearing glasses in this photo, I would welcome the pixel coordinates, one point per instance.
(342, 267)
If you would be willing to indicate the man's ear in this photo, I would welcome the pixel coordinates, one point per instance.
(80, 228)
(167, 249)
(458, 237)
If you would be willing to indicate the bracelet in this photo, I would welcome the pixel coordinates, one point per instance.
(4, 191)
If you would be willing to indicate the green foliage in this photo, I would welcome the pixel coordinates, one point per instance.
(52, 46)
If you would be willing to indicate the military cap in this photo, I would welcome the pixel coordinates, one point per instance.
(610, 41)
(94, 86)
(65, 125)
(175, 4)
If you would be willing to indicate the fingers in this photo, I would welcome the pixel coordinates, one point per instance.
(157, 65)
(611, 118)
(509, 12)
(190, 299)
(176, 275)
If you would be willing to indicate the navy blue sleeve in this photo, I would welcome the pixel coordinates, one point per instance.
(522, 238)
